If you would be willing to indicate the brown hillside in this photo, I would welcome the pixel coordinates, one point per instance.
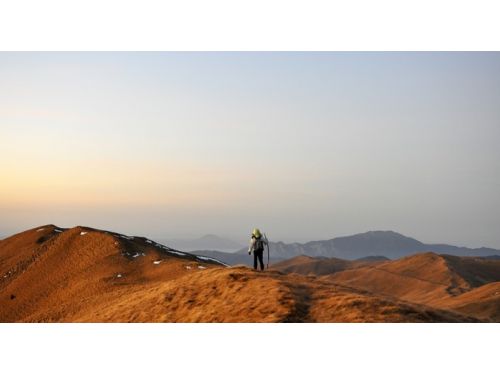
(306, 265)
(86, 275)
(482, 302)
(48, 269)
(423, 278)
(236, 295)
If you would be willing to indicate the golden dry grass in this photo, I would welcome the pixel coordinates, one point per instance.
(51, 275)
(306, 265)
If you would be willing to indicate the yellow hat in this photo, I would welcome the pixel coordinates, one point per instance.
(256, 233)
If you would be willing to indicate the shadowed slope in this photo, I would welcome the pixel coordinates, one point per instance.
(475, 271)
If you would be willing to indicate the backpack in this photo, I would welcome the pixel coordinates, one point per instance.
(259, 244)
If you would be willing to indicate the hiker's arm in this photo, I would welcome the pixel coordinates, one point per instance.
(250, 247)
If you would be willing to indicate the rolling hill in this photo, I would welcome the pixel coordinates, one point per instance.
(51, 274)
(469, 285)
(441, 281)
(319, 266)
(482, 302)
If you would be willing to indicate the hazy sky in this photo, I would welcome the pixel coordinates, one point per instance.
(303, 145)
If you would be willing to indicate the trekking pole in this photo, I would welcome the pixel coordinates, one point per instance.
(267, 250)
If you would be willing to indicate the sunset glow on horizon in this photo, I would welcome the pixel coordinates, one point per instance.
(307, 145)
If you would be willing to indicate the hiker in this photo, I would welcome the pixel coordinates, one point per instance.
(257, 244)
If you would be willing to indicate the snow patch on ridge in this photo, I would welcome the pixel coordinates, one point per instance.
(212, 259)
(176, 252)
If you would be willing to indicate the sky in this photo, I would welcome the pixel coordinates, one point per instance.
(305, 146)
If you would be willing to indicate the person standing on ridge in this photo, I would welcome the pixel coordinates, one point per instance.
(257, 244)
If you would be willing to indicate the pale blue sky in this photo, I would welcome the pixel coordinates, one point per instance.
(304, 145)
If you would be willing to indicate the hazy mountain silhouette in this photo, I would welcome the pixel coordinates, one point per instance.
(374, 243)
(207, 242)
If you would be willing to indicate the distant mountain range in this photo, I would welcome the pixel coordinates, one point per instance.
(207, 242)
(374, 243)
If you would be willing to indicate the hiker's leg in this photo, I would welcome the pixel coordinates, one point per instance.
(254, 260)
(261, 260)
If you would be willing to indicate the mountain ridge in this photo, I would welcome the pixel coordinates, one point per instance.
(389, 244)
(205, 242)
